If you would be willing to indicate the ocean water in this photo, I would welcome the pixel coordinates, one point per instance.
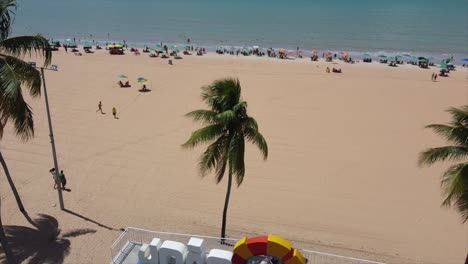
(423, 27)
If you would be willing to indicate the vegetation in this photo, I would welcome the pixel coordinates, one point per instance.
(454, 181)
(227, 127)
(16, 74)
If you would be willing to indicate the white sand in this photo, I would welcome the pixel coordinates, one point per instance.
(341, 176)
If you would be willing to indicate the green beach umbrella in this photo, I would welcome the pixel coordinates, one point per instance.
(141, 80)
(442, 66)
(391, 58)
(121, 76)
(366, 55)
(175, 50)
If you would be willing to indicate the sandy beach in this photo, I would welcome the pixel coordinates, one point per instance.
(341, 177)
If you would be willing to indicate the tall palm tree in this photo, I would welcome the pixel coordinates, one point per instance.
(16, 74)
(227, 128)
(454, 181)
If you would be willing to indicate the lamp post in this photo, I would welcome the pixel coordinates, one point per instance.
(52, 142)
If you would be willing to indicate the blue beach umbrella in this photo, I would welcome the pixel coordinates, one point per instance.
(407, 55)
(464, 59)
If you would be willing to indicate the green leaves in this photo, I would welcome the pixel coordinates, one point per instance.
(16, 74)
(203, 135)
(432, 155)
(454, 182)
(13, 74)
(6, 17)
(228, 126)
(27, 45)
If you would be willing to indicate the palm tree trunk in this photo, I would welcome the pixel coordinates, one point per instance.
(3, 241)
(12, 185)
(226, 204)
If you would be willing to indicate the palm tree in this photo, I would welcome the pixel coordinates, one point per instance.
(454, 181)
(16, 74)
(227, 128)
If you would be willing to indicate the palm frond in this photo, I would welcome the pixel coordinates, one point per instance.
(250, 122)
(456, 133)
(257, 139)
(14, 73)
(6, 17)
(236, 157)
(203, 135)
(27, 45)
(16, 70)
(462, 206)
(222, 94)
(454, 183)
(239, 106)
(214, 158)
(205, 116)
(225, 117)
(451, 153)
(459, 115)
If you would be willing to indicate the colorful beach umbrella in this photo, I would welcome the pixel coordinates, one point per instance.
(141, 80)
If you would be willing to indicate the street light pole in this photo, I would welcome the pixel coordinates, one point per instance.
(52, 142)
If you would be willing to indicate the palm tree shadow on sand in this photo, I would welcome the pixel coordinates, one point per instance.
(43, 244)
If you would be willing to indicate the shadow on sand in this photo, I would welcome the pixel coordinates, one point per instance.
(92, 221)
(43, 244)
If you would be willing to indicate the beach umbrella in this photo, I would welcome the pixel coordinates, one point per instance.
(442, 66)
(382, 56)
(464, 59)
(313, 52)
(327, 53)
(141, 80)
(366, 55)
(121, 76)
(175, 50)
(344, 53)
(299, 51)
(407, 55)
(87, 47)
(391, 58)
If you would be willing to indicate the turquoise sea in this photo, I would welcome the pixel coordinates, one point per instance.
(420, 27)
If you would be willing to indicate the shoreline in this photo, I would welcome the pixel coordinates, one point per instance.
(438, 56)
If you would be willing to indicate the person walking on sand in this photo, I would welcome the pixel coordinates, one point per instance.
(62, 179)
(435, 77)
(100, 107)
(114, 112)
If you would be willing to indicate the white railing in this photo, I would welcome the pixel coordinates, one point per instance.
(138, 236)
